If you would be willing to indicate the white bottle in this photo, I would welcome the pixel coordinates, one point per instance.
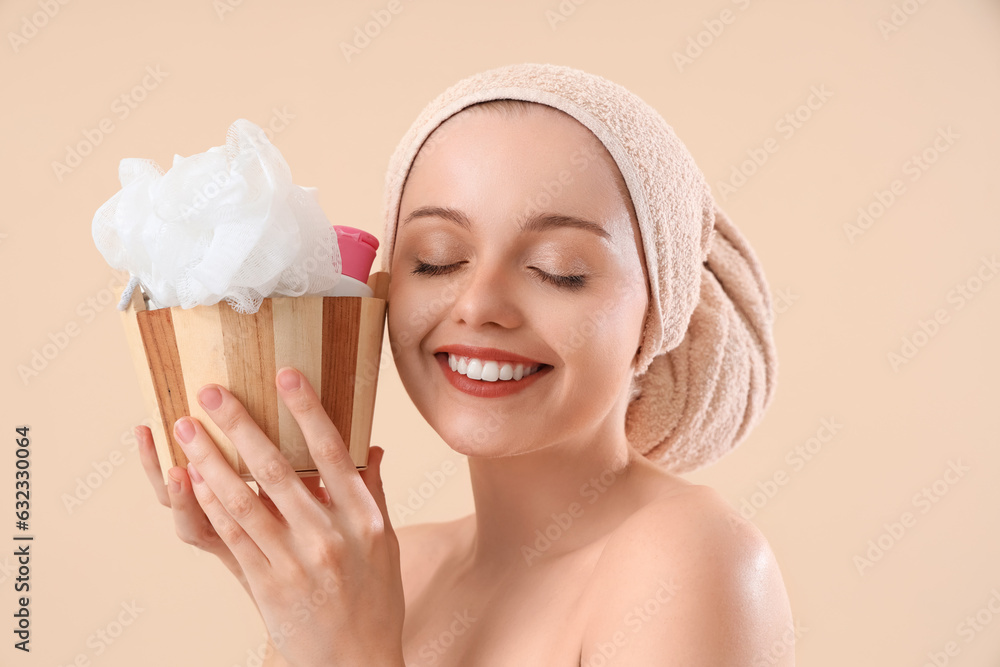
(348, 286)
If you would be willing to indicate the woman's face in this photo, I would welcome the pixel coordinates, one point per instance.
(566, 296)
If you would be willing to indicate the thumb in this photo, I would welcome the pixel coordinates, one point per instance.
(372, 477)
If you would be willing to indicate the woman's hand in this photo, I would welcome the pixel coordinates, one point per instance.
(324, 572)
(191, 524)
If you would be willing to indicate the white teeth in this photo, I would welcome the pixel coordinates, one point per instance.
(489, 370)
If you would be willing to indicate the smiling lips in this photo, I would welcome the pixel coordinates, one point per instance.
(489, 370)
(488, 378)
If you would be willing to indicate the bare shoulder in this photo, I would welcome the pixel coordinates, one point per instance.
(687, 576)
(422, 547)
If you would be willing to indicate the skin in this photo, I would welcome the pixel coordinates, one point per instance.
(535, 453)
(580, 551)
(323, 568)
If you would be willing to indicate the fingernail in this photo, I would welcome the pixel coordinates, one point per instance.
(173, 482)
(195, 477)
(289, 380)
(210, 397)
(184, 429)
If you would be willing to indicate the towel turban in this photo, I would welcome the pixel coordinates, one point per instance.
(706, 364)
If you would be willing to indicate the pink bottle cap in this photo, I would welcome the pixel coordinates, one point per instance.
(357, 251)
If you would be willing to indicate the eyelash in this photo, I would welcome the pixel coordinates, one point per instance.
(569, 282)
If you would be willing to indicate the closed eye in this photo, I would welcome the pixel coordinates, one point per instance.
(573, 282)
(432, 269)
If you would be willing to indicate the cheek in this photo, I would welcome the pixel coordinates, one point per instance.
(597, 332)
(417, 305)
(398, 315)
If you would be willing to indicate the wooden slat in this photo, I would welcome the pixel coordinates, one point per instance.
(133, 337)
(298, 342)
(379, 282)
(341, 321)
(157, 331)
(248, 339)
(372, 320)
(202, 352)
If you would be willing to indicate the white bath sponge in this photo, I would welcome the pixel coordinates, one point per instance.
(224, 224)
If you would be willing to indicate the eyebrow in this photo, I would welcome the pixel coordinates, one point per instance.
(537, 223)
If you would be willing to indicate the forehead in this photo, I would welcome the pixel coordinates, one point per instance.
(485, 163)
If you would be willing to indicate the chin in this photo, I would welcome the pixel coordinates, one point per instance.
(488, 441)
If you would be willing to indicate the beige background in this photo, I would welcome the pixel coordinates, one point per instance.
(843, 306)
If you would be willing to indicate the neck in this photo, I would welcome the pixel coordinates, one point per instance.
(533, 507)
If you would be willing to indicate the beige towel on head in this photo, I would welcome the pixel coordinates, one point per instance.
(707, 363)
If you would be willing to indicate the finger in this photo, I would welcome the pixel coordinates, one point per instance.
(263, 459)
(151, 463)
(194, 528)
(318, 492)
(249, 528)
(190, 522)
(266, 499)
(232, 533)
(314, 484)
(372, 476)
(373, 480)
(329, 453)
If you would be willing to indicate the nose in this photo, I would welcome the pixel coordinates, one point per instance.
(485, 295)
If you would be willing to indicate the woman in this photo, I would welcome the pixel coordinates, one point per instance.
(563, 312)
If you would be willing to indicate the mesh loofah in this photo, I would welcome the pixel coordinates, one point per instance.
(224, 224)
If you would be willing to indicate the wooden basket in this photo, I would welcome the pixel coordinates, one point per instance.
(335, 341)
